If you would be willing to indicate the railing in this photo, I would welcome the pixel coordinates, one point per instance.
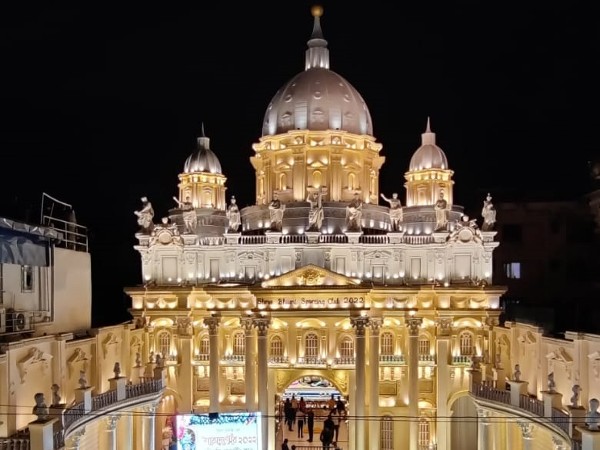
(461, 360)
(488, 392)
(202, 357)
(426, 358)
(333, 239)
(374, 239)
(18, 441)
(253, 240)
(562, 420)
(417, 240)
(345, 361)
(212, 240)
(397, 359)
(294, 239)
(531, 404)
(279, 360)
(233, 358)
(73, 235)
(312, 360)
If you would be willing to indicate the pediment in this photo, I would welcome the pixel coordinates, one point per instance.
(311, 275)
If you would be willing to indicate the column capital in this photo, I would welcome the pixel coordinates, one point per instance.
(212, 323)
(359, 324)
(149, 409)
(526, 429)
(558, 443)
(247, 323)
(262, 325)
(444, 326)
(111, 422)
(484, 416)
(375, 323)
(413, 324)
(76, 437)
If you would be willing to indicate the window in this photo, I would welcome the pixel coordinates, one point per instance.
(424, 432)
(311, 345)
(276, 346)
(466, 343)
(164, 344)
(239, 343)
(26, 279)
(351, 181)
(347, 347)
(512, 233)
(387, 344)
(204, 348)
(512, 270)
(282, 182)
(386, 433)
(317, 179)
(424, 346)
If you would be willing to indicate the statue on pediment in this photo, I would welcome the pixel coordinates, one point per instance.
(395, 210)
(441, 213)
(233, 214)
(40, 409)
(488, 212)
(315, 215)
(354, 213)
(276, 209)
(190, 219)
(145, 216)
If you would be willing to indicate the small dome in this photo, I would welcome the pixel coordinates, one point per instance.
(203, 160)
(428, 155)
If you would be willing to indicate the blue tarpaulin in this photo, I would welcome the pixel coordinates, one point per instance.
(24, 244)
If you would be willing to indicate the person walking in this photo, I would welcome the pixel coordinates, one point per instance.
(300, 418)
(310, 423)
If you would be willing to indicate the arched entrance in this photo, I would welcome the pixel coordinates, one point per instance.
(463, 425)
(319, 396)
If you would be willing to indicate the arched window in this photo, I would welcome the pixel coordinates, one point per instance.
(204, 347)
(164, 343)
(311, 345)
(387, 344)
(351, 181)
(386, 433)
(239, 343)
(276, 347)
(424, 346)
(282, 181)
(347, 347)
(424, 432)
(317, 178)
(466, 343)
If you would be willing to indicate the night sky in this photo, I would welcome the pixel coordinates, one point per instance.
(101, 106)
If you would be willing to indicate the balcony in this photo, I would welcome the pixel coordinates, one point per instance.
(83, 412)
(236, 359)
(345, 361)
(311, 361)
(391, 359)
(279, 360)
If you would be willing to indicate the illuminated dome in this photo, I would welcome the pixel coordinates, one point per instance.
(317, 98)
(203, 160)
(428, 155)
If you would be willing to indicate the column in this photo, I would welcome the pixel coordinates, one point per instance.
(527, 433)
(149, 430)
(443, 380)
(413, 324)
(249, 371)
(375, 324)
(559, 443)
(483, 423)
(359, 324)
(213, 335)
(74, 440)
(262, 327)
(185, 380)
(111, 432)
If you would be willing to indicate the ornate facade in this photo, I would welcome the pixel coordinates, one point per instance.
(402, 321)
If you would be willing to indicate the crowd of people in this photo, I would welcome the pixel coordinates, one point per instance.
(298, 414)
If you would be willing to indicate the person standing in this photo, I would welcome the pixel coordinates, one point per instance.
(300, 418)
(310, 423)
(284, 445)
